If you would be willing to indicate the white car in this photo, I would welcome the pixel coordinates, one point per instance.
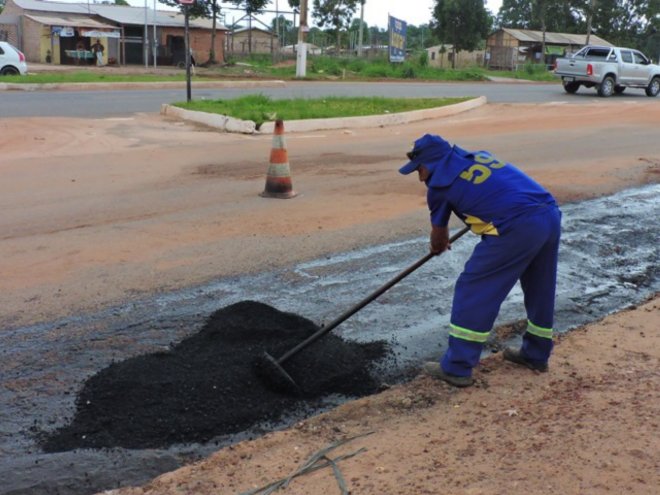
(12, 60)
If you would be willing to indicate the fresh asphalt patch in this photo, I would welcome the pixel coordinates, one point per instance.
(207, 385)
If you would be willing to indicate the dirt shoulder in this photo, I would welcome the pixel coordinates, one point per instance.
(590, 425)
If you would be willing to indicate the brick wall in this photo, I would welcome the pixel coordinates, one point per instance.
(200, 42)
(10, 32)
(32, 40)
(11, 8)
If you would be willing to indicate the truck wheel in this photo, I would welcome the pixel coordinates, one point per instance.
(571, 87)
(606, 88)
(619, 89)
(654, 87)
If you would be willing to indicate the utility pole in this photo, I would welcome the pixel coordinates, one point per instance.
(277, 30)
(361, 28)
(301, 58)
(186, 34)
(146, 35)
(590, 14)
(155, 48)
(187, 45)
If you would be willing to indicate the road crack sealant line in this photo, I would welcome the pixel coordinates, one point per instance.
(230, 124)
(43, 366)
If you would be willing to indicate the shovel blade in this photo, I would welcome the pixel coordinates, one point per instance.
(275, 376)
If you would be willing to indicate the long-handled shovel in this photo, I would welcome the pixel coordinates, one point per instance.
(271, 369)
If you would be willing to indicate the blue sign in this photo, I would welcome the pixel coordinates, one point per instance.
(397, 39)
(63, 32)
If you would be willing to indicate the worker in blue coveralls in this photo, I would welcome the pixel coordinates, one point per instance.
(519, 224)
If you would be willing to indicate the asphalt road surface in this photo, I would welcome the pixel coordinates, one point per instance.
(127, 102)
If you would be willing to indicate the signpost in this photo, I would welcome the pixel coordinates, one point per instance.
(186, 4)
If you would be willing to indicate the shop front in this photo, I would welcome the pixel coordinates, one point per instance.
(72, 40)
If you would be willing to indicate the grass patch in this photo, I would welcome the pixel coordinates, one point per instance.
(353, 68)
(530, 72)
(260, 108)
(89, 77)
(415, 67)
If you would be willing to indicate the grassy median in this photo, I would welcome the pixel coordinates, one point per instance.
(260, 108)
(89, 77)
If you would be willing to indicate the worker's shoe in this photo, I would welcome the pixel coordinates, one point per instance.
(515, 356)
(434, 370)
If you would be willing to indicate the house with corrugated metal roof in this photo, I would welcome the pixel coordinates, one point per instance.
(507, 49)
(444, 56)
(63, 33)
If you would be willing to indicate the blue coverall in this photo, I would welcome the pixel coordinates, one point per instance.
(519, 224)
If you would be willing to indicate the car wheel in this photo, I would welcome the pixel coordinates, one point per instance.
(571, 87)
(9, 71)
(654, 87)
(619, 89)
(606, 88)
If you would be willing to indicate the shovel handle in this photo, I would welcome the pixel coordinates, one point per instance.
(343, 317)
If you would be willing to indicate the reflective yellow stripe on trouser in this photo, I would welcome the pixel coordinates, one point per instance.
(470, 335)
(545, 333)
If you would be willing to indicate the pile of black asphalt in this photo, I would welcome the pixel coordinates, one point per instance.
(207, 385)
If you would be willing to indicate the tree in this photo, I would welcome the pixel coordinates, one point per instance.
(567, 15)
(318, 37)
(354, 30)
(122, 2)
(251, 7)
(376, 36)
(2, 5)
(420, 37)
(624, 22)
(284, 28)
(463, 23)
(335, 13)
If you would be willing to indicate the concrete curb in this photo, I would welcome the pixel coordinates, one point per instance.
(215, 120)
(229, 124)
(139, 85)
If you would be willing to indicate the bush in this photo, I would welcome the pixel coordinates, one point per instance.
(326, 65)
(424, 59)
(376, 71)
(407, 71)
(357, 65)
(531, 68)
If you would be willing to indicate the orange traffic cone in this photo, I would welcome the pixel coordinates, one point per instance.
(278, 180)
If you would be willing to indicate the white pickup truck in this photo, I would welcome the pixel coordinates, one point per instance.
(608, 69)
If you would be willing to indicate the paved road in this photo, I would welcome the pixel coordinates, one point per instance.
(126, 102)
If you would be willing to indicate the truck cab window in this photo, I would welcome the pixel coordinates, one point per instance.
(640, 59)
(627, 57)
